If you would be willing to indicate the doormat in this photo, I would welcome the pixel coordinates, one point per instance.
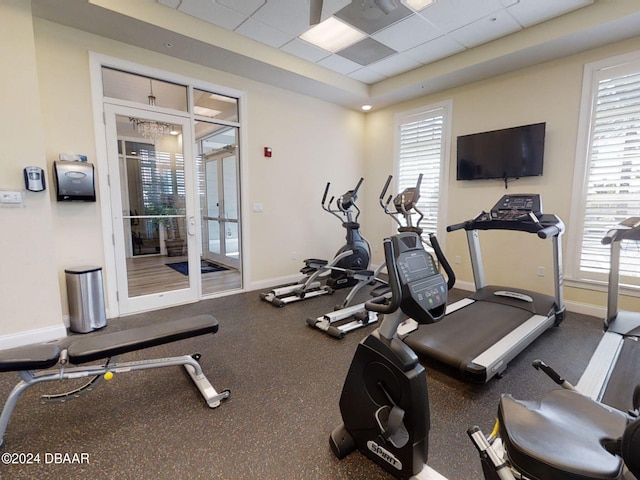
(205, 267)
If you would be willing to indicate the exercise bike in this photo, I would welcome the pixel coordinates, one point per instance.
(564, 436)
(384, 402)
(346, 317)
(349, 267)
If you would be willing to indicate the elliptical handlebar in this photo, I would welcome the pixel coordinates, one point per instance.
(410, 195)
(382, 304)
(355, 190)
(344, 203)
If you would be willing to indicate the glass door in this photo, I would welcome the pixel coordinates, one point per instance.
(153, 208)
(220, 200)
(219, 204)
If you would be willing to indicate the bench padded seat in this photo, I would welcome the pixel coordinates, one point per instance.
(108, 345)
(561, 437)
(31, 357)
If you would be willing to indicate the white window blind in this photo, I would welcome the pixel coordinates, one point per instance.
(612, 188)
(422, 149)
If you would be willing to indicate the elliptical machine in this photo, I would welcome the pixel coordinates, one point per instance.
(348, 267)
(346, 317)
(384, 402)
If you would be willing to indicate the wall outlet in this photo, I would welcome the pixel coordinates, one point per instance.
(541, 271)
(458, 260)
(294, 255)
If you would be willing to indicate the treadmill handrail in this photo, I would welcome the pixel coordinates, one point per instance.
(548, 225)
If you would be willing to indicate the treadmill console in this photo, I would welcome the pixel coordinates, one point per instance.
(517, 207)
(424, 289)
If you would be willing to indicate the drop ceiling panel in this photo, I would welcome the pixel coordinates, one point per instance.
(366, 16)
(450, 15)
(212, 12)
(367, 76)
(489, 28)
(366, 51)
(394, 65)
(339, 64)
(530, 12)
(305, 50)
(444, 28)
(263, 33)
(290, 16)
(396, 36)
(246, 7)
(436, 49)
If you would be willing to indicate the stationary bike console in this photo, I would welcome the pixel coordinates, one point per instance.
(424, 290)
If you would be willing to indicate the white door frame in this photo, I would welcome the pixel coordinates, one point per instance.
(128, 305)
(96, 62)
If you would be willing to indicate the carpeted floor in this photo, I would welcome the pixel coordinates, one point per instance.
(285, 380)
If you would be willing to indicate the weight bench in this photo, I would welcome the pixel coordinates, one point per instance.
(25, 360)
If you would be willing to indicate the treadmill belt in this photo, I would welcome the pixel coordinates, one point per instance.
(464, 334)
(625, 376)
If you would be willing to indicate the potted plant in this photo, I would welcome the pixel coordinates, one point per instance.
(173, 242)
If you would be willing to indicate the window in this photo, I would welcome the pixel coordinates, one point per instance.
(423, 139)
(607, 166)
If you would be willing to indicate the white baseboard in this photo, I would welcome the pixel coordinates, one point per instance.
(586, 309)
(30, 337)
(273, 282)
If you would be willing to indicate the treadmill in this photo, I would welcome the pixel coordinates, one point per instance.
(612, 373)
(481, 334)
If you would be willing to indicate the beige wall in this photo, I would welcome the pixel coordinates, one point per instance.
(313, 142)
(545, 93)
(29, 293)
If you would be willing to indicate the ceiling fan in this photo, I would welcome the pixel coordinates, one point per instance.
(315, 13)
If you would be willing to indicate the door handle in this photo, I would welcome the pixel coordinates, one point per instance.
(191, 229)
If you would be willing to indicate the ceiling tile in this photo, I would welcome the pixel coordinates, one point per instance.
(367, 76)
(366, 51)
(530, 12)
(213, 13)
(486, 29)
(436, 49)
(290, 16)
(366, 16)
(394, 65)
(246, 7)
(263, 33)
(397, 35)
(339, 64)
(305, 50)
(450, 15)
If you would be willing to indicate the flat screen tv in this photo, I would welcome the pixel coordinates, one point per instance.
(506, 154)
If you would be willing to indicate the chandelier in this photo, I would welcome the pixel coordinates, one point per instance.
(150, 129)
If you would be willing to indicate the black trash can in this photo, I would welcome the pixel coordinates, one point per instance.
(85, 292)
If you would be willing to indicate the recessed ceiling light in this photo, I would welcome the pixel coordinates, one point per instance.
(418, 4)
(332, 35)
(366, 108)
